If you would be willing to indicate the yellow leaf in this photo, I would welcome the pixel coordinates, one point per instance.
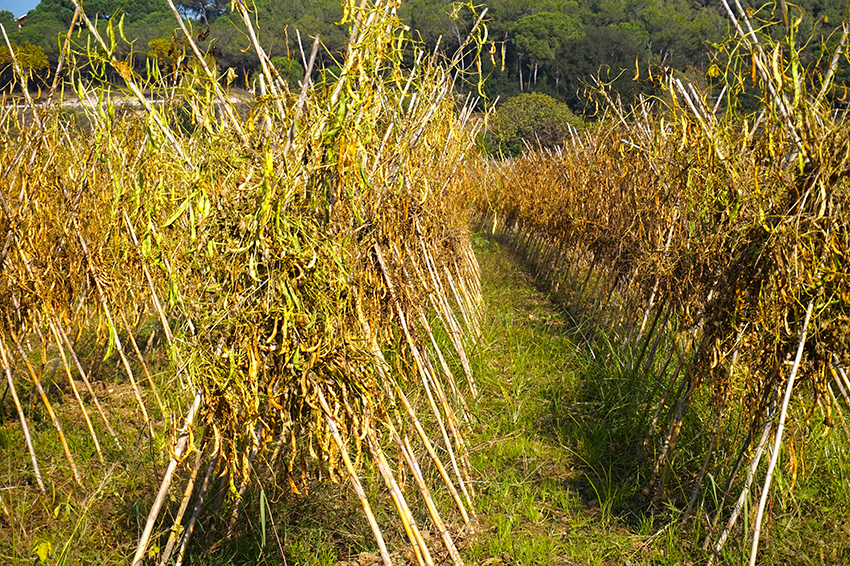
(43, 549)
(123, 69)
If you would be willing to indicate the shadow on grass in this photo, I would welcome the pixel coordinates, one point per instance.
(558, 447)
(567, 454)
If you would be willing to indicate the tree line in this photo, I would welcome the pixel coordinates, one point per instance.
(550, 46)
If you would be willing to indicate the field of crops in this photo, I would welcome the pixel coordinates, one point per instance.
(712, 248)
(260, 296)
(211, 305)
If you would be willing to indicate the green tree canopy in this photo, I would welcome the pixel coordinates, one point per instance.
(532, 118)
(290, 70)
(7, 18)
(544, 36)
(31, 60)
(556, 45)
(204, 10)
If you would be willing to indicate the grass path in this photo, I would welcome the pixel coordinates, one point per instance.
(542, 495)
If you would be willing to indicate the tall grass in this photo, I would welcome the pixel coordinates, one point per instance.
(257, 277)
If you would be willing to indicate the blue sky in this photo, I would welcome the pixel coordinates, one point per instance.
(18, 7)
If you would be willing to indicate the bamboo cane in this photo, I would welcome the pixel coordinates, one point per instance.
(669, 444)
(76, 393)
(718, 419)
(468, 302)
(54, 419)
(410, 459)
(217, 89)
(181, 447)
(659, 335)
(196, 511)
(841, 416)
(422, 371)
(142, 362)
(744, 494)
(842, 373)
(166, 328)
(423, 555)
(184, 504)
(149, 109)
(446, 369)
(423, 320)
(462, 470)
(20, 73)
(114, 330)
(7, 369)
(838, 381)
(62, 55)
(56, 327)
(382, 370)
(355, 481)
(450, 322)
(662, 402)
(780, 427)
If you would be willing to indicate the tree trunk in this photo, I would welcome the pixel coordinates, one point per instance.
(519, 66)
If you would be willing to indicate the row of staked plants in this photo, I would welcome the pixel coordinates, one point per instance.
(706, 250)
(205, 302)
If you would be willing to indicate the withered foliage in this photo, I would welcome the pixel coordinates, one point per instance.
(292, 267)
(686, 225)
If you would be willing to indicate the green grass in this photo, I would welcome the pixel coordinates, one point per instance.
(556, 475)
(95, 523)
(559, 450)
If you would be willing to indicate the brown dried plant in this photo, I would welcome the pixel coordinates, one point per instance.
(292, 256)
